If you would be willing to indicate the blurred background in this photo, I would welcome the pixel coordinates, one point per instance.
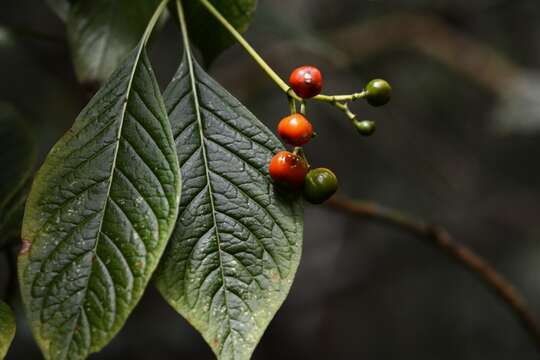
(459, 146)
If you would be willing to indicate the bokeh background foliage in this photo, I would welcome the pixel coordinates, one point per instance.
(458, 146)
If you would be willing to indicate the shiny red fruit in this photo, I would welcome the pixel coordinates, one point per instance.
(306, 81)
(288, 169)
(295, 130)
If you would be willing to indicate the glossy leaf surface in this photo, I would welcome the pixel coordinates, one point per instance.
(234, 252)
(99, 215)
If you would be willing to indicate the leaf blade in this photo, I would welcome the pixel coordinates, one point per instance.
(7, 328)
(236, 246)
(101, 33)
(99, 214)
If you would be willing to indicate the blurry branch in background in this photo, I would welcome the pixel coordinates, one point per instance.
(517, 88)
(483, 65)
(478, 62)
(431, 36)
(442, 240)
(425, 33)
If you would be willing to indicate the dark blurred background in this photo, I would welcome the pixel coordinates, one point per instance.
(459, 146)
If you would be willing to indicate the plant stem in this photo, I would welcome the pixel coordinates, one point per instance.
(153, 21)
(251, 51)
(345, 108)
(340, 98)
(303, 108)
(463, 255)
(266, 68)
(292, 104)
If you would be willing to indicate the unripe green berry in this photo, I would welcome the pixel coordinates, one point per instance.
(365, 127)
(319, 185)
(378, 92)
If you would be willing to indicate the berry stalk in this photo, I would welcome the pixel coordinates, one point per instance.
(339, 101)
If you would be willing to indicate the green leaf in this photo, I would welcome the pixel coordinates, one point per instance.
(234, 252)
(210, 37)
(7, 328)
(17, 159)
(99, 215)
(102, 32)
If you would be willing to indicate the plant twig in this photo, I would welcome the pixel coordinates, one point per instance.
(250, 50)
(442, 240)
(334, 100)
(429, 35)
(424, 33)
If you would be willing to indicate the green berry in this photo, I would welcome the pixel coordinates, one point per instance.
(319, 185)
(378, 92)
(365, 127)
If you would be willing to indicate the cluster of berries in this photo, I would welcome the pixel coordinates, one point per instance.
(291, 169)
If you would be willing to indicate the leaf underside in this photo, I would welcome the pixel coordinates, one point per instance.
(7, 328)
(234, 252)
(102, 32)
(99, 215)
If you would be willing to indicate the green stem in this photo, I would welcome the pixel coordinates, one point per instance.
(339, 101)
(345, 108)
(299, 151)
(303, 107)
(250, 50)
(340, 98)
(292, 104)
(153, 21)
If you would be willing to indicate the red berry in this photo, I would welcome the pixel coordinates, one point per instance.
(295, 129)
(306, 81)
(288, 169)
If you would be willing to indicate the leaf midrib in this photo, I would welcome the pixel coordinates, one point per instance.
(109, 186)
(193, 84)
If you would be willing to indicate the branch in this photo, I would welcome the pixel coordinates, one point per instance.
(442, 240)
(423, 33)
(433, 37)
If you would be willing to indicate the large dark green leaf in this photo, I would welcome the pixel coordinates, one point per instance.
(17, 158)
(102, 32)
(99, 215)
(7, 328)
(236, 247)
(207, 33)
